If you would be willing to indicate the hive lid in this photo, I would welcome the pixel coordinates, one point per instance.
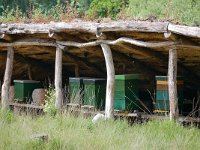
(166, 77)
(94, 80)
(127, 77)
(77, 79)
(26, 81)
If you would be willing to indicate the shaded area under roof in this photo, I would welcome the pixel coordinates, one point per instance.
(128, 58)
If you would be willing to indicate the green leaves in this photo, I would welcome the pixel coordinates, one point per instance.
(104, 8)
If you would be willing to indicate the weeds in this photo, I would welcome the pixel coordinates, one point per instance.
(50, 99)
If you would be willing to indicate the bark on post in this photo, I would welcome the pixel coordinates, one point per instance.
(7, 78)
(109, 108)
(58, 78)
(172, 84)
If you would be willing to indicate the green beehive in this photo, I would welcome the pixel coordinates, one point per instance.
(95, 92)
(76, 88)
(24, 89)
(162, 95)
(126, 92)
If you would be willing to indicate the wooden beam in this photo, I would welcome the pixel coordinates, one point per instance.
(40, 42)
(6, 37)
(35, 42)
(7, 78)
(140, 26)
(140, 62)
(85, 62)
(46, 65)
(172, 84)
(93, 28)
(184, 30)
(58, 78)
(182, 40)
(116, 42)
(29, 72)
(110, 87)
(75, 26)
(163, 60)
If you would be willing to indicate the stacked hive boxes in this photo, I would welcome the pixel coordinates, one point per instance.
(88, 91)
(126, 92)
(95, 91)
(162, 95)
(76, 90)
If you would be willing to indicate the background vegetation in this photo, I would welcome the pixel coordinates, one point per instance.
(67, 132)
(181, 11)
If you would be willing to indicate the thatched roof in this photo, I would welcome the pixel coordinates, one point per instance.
(137, 46)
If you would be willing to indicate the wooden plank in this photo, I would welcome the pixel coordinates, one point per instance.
(172, 87)
(7, 78)
(26, 105)
(109, 108)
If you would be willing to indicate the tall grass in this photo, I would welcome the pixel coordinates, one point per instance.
(67, 132)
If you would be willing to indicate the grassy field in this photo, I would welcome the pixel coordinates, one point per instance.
(70, 133)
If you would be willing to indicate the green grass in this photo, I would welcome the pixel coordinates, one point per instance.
(67, 132)
(181, 11)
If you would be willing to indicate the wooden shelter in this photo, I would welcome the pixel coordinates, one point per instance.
(80, 47)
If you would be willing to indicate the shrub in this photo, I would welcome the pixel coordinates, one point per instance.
(105, 8)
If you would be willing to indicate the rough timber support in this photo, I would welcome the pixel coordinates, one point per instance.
(109, 108)
(7, 78)
(172, 84)
(58, 78)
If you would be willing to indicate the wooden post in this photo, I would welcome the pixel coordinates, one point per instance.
(29, 72)
(58, 78)
(76, 69)
(109, 108)
(7, 78)
(172, 84)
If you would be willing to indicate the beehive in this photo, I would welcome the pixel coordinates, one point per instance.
(126, 92)
(76, 88)
(162, 94)
(95, 92)
(24, 89)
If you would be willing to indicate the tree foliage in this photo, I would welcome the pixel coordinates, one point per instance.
(104, 8)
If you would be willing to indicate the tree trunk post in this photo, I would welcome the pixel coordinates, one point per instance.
(7, 78)
(172, 84)
(58, 78)
(109, 107)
